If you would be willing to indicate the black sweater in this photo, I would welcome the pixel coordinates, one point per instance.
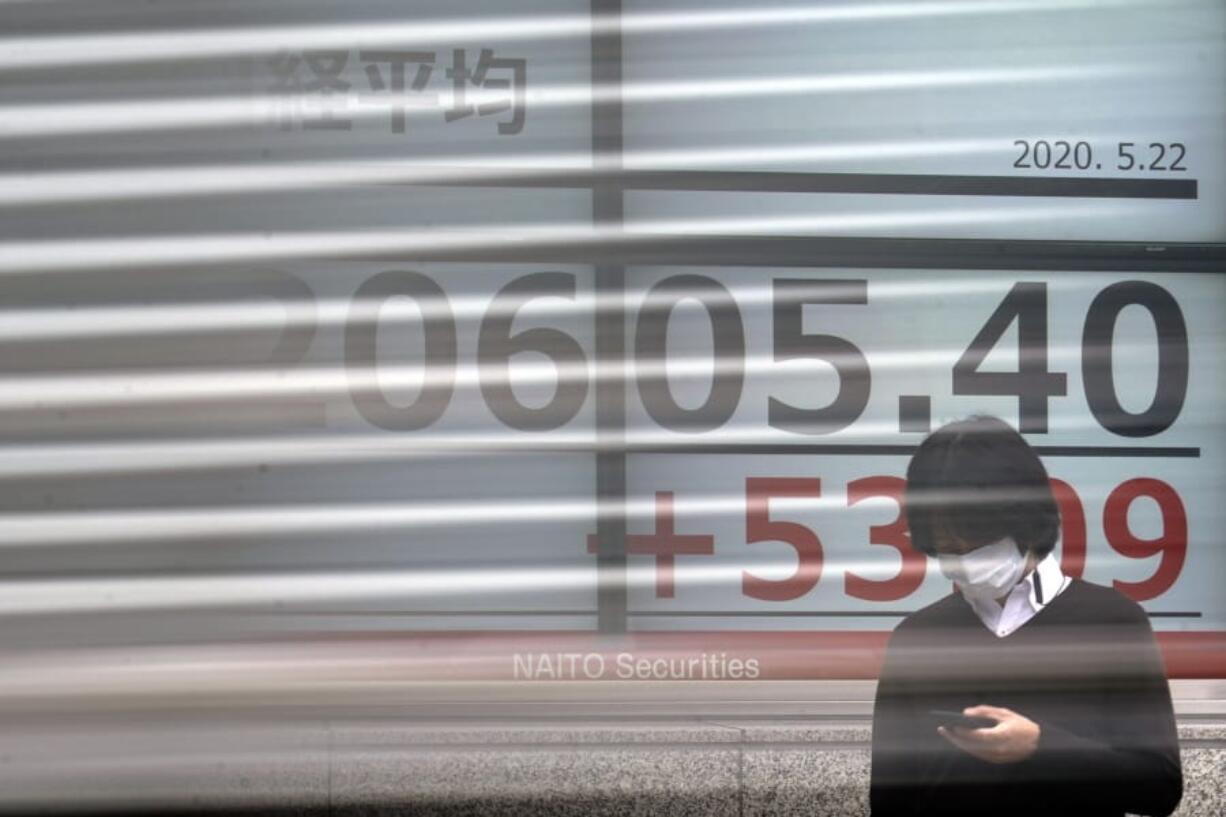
(1086, 668)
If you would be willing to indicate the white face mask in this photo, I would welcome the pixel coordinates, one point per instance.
(987, 572)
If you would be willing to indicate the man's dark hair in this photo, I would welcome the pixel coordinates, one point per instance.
(980, 480)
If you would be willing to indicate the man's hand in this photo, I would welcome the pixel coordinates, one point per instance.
(1014, 737)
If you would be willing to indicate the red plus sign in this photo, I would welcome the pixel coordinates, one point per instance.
(664, 543)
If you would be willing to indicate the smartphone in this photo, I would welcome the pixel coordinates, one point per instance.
(952, 717)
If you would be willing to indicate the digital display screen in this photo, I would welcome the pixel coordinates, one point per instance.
(397, 304)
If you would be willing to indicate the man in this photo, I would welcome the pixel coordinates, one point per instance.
(1067, 671)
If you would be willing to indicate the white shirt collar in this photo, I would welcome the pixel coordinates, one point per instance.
(1022, 603)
